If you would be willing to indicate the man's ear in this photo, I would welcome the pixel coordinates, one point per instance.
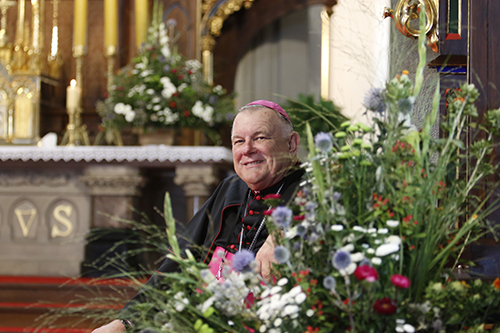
(293, 143)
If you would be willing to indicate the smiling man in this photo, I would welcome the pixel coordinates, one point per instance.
(265, 161)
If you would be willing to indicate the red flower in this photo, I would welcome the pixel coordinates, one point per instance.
(400, 281)
(496, 283)
(172, 104)
(367, 273)
(272, 196)
(173, 70)
(384, 306)
(181, 77)
(186, 113)
(299, 218)
(268, 211)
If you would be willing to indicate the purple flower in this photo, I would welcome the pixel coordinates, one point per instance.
(282, 216)
(323, 142)
(374, 100)
(301, 230)
(242, 261)
(336, 196)
(341, 260)
(281, 254)
(329, 282)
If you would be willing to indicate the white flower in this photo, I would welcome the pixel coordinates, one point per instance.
(146, 73)
(359, 229)
(357, 257)
(349, 270)
(282, 281)
(262, 328)
(129, 116)
(295, 291)
(300, 298)
(376, 261)
(383, 231)
(371, 230)
(337, 227)
(409, 328)
(370, 251)
(348, 248)
(181, 87)
(165, 51)
(275, 290)
(202, 112)
(393, 239)
(290, 309)
(278, 322)
(392, 223)
(386, 249)
(194, 65)
(310, 313)
(399, 329)
(121, 108)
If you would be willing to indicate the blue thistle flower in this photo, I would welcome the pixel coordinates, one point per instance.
(301, 230)
(242, 261)
(336, 196)
(341, 260)
(329, 282)
(282, 216)
(281, 254)
(406, 104)
(374, 100)
(323, 142)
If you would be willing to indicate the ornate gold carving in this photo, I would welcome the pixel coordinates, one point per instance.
(214, 21)
(64, 220)
(407, 11)
(25, 225)
(24, 114)
(4, 7)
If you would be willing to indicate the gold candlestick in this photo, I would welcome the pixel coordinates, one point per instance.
(76, 133)
(110, 55)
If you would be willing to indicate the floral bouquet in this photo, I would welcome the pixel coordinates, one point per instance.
(161, 89)
(371, 241)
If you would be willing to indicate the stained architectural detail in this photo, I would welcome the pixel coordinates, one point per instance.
(17, 179)
(408, 11)
(114, 180)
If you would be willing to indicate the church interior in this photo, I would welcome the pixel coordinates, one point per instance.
(61, 180)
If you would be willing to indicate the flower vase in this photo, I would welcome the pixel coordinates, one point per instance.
(160, 137)
(190, 137)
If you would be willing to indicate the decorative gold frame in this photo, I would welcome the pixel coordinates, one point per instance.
(408, 10)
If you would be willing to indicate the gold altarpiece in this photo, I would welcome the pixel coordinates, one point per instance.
(24, 71)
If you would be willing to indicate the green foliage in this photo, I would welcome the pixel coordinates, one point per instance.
(322, 116)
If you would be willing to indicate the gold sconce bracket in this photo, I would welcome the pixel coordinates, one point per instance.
(407, 11)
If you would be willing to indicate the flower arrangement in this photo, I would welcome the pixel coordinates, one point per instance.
(370, 242)
(161, 89)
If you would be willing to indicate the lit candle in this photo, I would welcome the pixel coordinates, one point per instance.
(80, 25)
(141, 21)
(110, 23)
(73, 95)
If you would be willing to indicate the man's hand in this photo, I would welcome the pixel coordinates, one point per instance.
(115, 326)
(265, 257)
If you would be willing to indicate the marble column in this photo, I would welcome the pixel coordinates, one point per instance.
(198, 182)
(112, 189)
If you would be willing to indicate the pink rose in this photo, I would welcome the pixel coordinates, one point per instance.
(400, 281)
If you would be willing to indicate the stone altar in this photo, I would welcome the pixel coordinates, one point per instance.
(51, 197)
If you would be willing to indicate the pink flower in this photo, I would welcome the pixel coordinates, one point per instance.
(400, 281)
(384, 306)
(367, 273)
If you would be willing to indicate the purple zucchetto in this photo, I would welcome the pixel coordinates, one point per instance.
(273, 106)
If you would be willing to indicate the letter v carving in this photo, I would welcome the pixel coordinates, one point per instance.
(21, 213)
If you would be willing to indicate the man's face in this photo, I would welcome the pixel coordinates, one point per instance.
(261, 154)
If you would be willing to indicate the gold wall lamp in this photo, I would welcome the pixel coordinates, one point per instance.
(406, 15)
